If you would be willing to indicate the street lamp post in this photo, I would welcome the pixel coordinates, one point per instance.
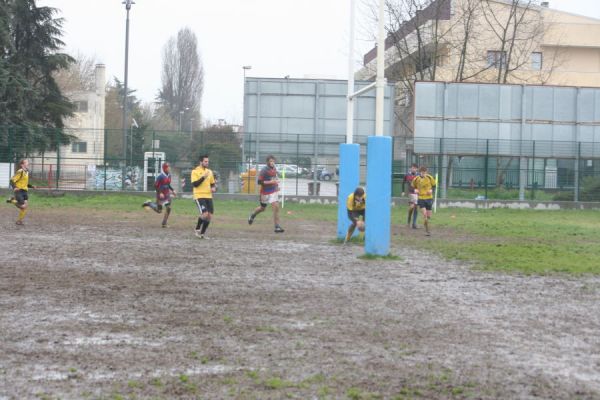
(244, 68)
(128, 4)
(181, 112)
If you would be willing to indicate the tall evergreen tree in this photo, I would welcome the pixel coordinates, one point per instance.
(30, 54)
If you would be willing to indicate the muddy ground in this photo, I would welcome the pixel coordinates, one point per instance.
(106, 306)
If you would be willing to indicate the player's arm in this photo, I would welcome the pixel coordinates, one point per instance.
(213, 183)
(198, 181)
(349, 203)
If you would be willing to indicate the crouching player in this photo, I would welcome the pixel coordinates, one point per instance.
(355, 205)
(164, 194)
(424, 185)
(20, 185)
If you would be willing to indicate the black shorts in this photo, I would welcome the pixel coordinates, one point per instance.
(354, 215)
(20, 196)
(205, 205)
(426, 204)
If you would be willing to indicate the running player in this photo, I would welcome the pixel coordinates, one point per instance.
(425, 186)
(20, 185)
(269, 193)
(412, 196)
(204, 185)
(164, 194)
(355, 205)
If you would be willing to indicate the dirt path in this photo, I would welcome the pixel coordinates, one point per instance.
(89, 310)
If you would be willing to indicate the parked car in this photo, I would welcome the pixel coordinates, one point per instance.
(291, 170)
(324, 174)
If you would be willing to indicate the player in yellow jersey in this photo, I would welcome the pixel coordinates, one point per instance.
(203, 181)
(355, 205)
(20, 185)
(424, 185)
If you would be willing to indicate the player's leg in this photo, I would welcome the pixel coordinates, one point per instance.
(206, 217)
(167, 213)
(275, 208)
(262, 207)
(411, 209)
(428, 212)
(353, 220)
(415, 215)
(22, 204)
(156, 207)
(201, 210)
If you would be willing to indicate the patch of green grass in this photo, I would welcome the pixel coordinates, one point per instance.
(357, 394)
(229, 381)
(389, 257)
(360, 239)
(227, 319)
(253, 375)
(239, 209)
(527, 241)
(276, 383)
(267, 328)
(184, 378)
(156, 382)
(134, 384)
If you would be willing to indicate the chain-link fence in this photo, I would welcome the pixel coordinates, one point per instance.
(307, 164)
(513, 170)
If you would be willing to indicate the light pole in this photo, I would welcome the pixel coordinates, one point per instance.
(128, 4)
(181, 112)
(244, 68)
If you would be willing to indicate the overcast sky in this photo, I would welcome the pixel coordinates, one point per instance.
(298, 38)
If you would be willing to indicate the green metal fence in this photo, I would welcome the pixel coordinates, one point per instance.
(308, 165)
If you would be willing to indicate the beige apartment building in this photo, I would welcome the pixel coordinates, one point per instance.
(495, 41)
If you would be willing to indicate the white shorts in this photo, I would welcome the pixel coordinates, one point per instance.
(269, 198)
(413, 198)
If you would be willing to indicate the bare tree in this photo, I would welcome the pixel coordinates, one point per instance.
(518, 29)
(182, 75)
(79, 76)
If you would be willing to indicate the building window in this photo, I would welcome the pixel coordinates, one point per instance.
(81, 106)
(79, 147)
(536, 61)
(496, 59)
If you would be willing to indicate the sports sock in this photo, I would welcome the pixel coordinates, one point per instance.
(410, 212)
(426, 223)
(415, 215)
(204, 227)
(200, 223)
(166, 217)
(22, 213)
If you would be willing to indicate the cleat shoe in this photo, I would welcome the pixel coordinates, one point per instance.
(198, 234)
(414, 227)
(279, 229)
(146, 205)
(164, 225)
(19, 222)
(250, 220)
(427, 233)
